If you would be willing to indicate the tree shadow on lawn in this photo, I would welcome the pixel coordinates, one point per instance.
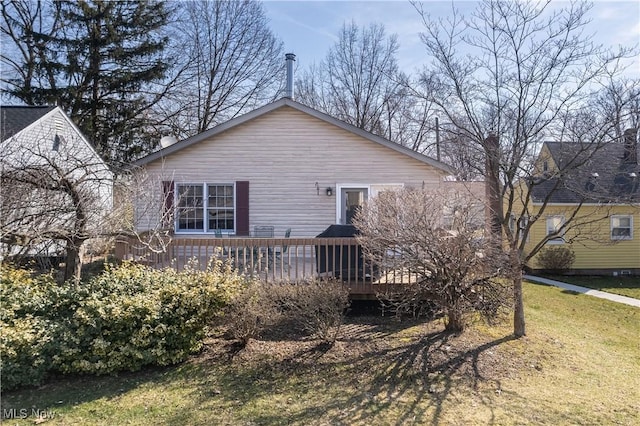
(423, 374)
(351, 384)
(402, 384)
(354, 382)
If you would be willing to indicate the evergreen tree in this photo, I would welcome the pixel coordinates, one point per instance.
(104, 59)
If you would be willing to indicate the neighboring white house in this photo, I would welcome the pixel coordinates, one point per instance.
(283, 165)
(41, 152)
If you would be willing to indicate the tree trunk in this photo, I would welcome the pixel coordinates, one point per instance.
(454, 321)
(518, 305)
(73, 261)
(493, 208)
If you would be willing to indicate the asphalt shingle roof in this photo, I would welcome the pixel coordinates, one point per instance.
(592, 175)
(13, 119)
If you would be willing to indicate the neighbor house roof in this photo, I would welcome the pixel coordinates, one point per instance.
(287, 102)
(591, 175)
(17, 118)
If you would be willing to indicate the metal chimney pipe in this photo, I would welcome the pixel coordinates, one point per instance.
(290, 57)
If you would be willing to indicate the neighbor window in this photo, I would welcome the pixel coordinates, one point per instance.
(522, 222)
(554, 225)
(621, 227)
(205, 207)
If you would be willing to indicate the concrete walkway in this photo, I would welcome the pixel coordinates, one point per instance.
(584, 290)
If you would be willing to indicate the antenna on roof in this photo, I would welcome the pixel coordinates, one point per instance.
(437, 140)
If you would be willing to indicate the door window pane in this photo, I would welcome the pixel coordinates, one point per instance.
(352, 200)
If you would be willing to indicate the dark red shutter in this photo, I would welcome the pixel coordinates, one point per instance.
(242, 208)
(167, 208)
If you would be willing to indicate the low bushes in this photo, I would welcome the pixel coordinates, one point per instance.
(249, 312)
(315, 307)
(127, 317)
(556, 259)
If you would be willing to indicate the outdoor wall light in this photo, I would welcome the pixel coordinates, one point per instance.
(329, 192)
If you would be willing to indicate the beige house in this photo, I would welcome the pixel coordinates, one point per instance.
(283, 165)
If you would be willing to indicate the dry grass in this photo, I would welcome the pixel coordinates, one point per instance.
(579, 364)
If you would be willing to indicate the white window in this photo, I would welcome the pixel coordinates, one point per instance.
(205, 208)
(554, 226)
(621, 227)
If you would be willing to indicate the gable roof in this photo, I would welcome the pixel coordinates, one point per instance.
(16, 118)
(601, 175)
(287, 102)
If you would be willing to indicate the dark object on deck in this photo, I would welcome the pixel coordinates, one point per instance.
(345, 262)
(338, 231)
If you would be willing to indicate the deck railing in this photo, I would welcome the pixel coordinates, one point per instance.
(278, 259)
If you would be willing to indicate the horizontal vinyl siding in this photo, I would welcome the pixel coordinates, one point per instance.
(33, 146)
(600, 252)
(283, 154)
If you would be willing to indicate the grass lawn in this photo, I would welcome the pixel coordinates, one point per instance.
(625, 286)
(578, 364)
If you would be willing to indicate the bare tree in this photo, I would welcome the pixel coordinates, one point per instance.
(458, 151)
(436, 239)
(144, 214)
(311, 89)
(619, 101)
(229, 62)
(55, 191)
(410, 120)
(511, 76)
(357, 82)
(26, 28)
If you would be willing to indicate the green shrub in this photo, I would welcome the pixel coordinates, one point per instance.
(25, 334)
(134, 315)
(123, 319)
(23, 345)
(556, 259)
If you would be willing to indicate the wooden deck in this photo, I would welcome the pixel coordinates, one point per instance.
(278, 260)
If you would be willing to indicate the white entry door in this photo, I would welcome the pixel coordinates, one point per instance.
(351, 200)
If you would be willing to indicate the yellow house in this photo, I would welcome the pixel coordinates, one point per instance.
(588, 200)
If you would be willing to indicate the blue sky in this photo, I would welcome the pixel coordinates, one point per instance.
(309, 28)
